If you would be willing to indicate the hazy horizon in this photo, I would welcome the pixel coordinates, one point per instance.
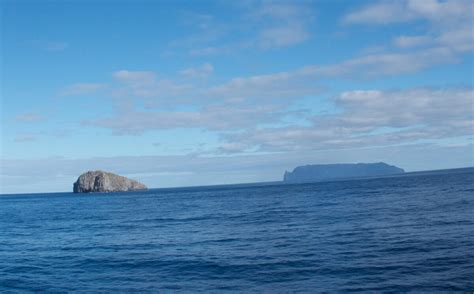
(276, 181)
(212, 92)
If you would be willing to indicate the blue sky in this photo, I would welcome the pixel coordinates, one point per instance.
(179, 93)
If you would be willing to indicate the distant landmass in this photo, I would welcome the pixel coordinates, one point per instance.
(101, 181)
(323, 172)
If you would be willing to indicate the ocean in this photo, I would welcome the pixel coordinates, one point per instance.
(394, 234)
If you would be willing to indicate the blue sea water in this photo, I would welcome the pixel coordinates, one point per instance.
(395, 234)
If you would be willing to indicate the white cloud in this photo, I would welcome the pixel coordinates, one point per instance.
(403, 108)
(386, 12)
(282, 36)
(369, 118)
(452, 11)
(49, 45)
(283, 24)
(248, 104)
(200, 72)
(143, 87)
(234, 147)
(213, 117)
(30, 117)
(81, 88)
(55, 46)
(210, 50)
(450, 22)
(244, 101)
(411, 41)
(301, 80)
(135, 77)
(26, 138)
(374, 65)
(264, 87)
(460, 39)
(258, 25)
(380, 13)
(258, 89)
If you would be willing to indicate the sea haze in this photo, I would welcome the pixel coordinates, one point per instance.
(408, 233)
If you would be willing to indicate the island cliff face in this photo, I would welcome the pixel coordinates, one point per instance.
(323, 172)
(101, 181)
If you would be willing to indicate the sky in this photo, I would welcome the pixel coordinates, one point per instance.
(185, 93)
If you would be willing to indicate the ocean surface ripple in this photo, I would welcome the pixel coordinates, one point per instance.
(395, 234)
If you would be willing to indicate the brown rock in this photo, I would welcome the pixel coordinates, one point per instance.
(101, 181)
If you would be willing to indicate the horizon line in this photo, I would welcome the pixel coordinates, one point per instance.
(280, 182)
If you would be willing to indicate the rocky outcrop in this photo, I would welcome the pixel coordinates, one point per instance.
(324, 172)
(101, 181)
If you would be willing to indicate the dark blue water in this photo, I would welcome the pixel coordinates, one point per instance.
(391, 234)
